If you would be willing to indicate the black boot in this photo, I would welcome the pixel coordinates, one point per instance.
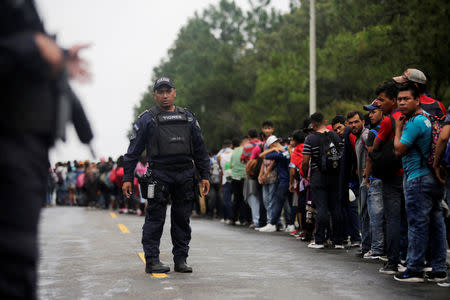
(182, 267)
(156, 267)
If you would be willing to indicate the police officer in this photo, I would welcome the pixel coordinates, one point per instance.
(30, 62)
(174, 144)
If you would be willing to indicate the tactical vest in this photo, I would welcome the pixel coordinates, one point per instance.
(172, 135)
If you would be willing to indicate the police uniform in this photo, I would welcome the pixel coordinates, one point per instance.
(174, 144)
(27, 129)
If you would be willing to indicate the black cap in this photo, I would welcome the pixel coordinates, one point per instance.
(163, 81)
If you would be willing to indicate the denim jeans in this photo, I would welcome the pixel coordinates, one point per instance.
(281, 197)
(227, 201)
(268, 198)
(350, 211)
(365, 220)
(376, 215)
(392, 199)
(253, 202)
(351, 219)
(426, 226)
(324, 190)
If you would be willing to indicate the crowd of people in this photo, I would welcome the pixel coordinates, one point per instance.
(91, 184)
(373, 180)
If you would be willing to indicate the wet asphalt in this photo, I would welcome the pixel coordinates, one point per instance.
(85, 255)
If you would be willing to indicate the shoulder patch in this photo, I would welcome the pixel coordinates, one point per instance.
(134, 131)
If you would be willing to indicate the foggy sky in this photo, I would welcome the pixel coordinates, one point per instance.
(129, 38)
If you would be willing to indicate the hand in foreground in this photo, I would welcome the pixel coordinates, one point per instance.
(126, 189)
(76, 66)
(205, 187)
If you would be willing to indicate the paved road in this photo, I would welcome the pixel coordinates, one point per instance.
(85, 255)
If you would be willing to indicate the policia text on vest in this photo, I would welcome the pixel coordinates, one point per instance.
(175, 152)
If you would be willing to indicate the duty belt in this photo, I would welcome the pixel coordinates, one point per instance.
(171, 167)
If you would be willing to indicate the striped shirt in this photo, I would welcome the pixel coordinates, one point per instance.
(313, 147)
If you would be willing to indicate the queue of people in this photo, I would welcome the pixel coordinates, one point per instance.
(84, 183)
(372, 180)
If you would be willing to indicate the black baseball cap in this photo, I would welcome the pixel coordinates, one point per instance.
(163, 81)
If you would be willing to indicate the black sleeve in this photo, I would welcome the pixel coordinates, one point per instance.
(200, 154)
(18, 50)
(370, 139)
(137, 145)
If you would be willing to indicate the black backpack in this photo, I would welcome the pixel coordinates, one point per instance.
(384, 161)
(330, 153)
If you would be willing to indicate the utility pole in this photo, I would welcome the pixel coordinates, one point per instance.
(312, 57)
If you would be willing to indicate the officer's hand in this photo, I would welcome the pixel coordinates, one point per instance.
(76, 66)
(205, 187)
(126, 189)
(50, 52)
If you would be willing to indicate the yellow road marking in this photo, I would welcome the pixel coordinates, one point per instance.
(156, 275)
(113, 215)
(142, 256)
(123, 228)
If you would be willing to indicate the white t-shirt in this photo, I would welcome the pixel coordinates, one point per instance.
(225, 159)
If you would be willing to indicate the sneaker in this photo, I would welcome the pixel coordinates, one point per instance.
(444, 284)
(409, 276)
(388, 269)
(238, 223)
(290, 228)
(294, 233)
(339, 247)
(306, 238)
(229, 222)
(355, 244)
(268, 228)
(383, 258)
(401, 267)
(427, 269)
(370, 255)
(436, 276)
(313, 245)
(222, 220)
(251, 226)
(281, 228)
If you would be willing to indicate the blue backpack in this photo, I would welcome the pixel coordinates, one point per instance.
(447, 154)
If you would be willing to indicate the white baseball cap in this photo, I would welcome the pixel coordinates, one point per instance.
(270, 140)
